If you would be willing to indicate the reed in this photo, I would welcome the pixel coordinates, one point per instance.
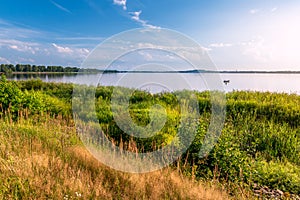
(46, 160)
(260, 136)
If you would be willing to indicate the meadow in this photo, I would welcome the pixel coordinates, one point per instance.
(42, 155)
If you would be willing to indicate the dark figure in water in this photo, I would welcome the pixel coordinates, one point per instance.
(226, 81)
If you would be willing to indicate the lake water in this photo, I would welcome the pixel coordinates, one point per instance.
(157, 82)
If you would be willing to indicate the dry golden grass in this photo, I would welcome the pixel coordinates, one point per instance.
(38, 161)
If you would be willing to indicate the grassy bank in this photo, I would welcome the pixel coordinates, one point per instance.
(259, 145)
(45, 160)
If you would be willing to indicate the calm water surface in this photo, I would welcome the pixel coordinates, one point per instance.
(288, 83)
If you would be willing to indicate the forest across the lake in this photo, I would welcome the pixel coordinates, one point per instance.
(27, 68)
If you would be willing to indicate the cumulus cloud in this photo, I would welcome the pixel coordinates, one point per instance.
(257, 49)
(253, 11)
(61, 49)
(220, 45)
(4, 60)
(274, 9)
(82, 51)
(16, 46)
(67, 55)
(73, 51)
(206, 49)
(25, 60)
(82, 38)
(146, 55)
(136, 17)
(22, 52)
(121, 3)
(19, 45)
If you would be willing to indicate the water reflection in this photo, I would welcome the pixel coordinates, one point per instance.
(288, 83)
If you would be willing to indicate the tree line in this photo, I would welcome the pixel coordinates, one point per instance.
(10, 68)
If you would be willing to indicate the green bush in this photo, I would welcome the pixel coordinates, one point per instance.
(11, 97)
(13, 100)
(260, 141)
(280, 175)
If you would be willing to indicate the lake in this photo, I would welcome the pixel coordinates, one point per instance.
(157, 82)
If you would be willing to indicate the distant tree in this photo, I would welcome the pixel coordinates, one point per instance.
(1, 68)
(19, 68)
(12, 68)
(5, 68)
(42, 68)
(8, 68)
(49, 69)
(27, 68)
(35, 68)
(59, 69)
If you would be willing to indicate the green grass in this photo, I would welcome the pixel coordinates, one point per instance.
(46, 160)
(260, 141)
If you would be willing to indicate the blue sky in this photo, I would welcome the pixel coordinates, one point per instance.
(238, 34)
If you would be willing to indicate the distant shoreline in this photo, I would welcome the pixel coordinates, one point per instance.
(161, 72)
(37, 69)
(36, 73)
(205, 71)
(260, 72)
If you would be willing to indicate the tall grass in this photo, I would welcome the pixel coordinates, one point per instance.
(45, 160)
(259, 140)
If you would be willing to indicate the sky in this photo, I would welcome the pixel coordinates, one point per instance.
(237, 34)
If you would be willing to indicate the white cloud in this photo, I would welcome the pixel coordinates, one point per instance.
(253, 11)
(19, 45)
(10, 31)
(76, 52)
(257, 49)
(148, 45)
(274, 9)
(146, 55)
(16, 46)
(60, 7)
(66, 55)
(136, 17)
(4, 60)
(83, 51)
(121, 3)
(81, 38)
(61, 49)
(25, 60)
(220, 45)
(206, 49)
